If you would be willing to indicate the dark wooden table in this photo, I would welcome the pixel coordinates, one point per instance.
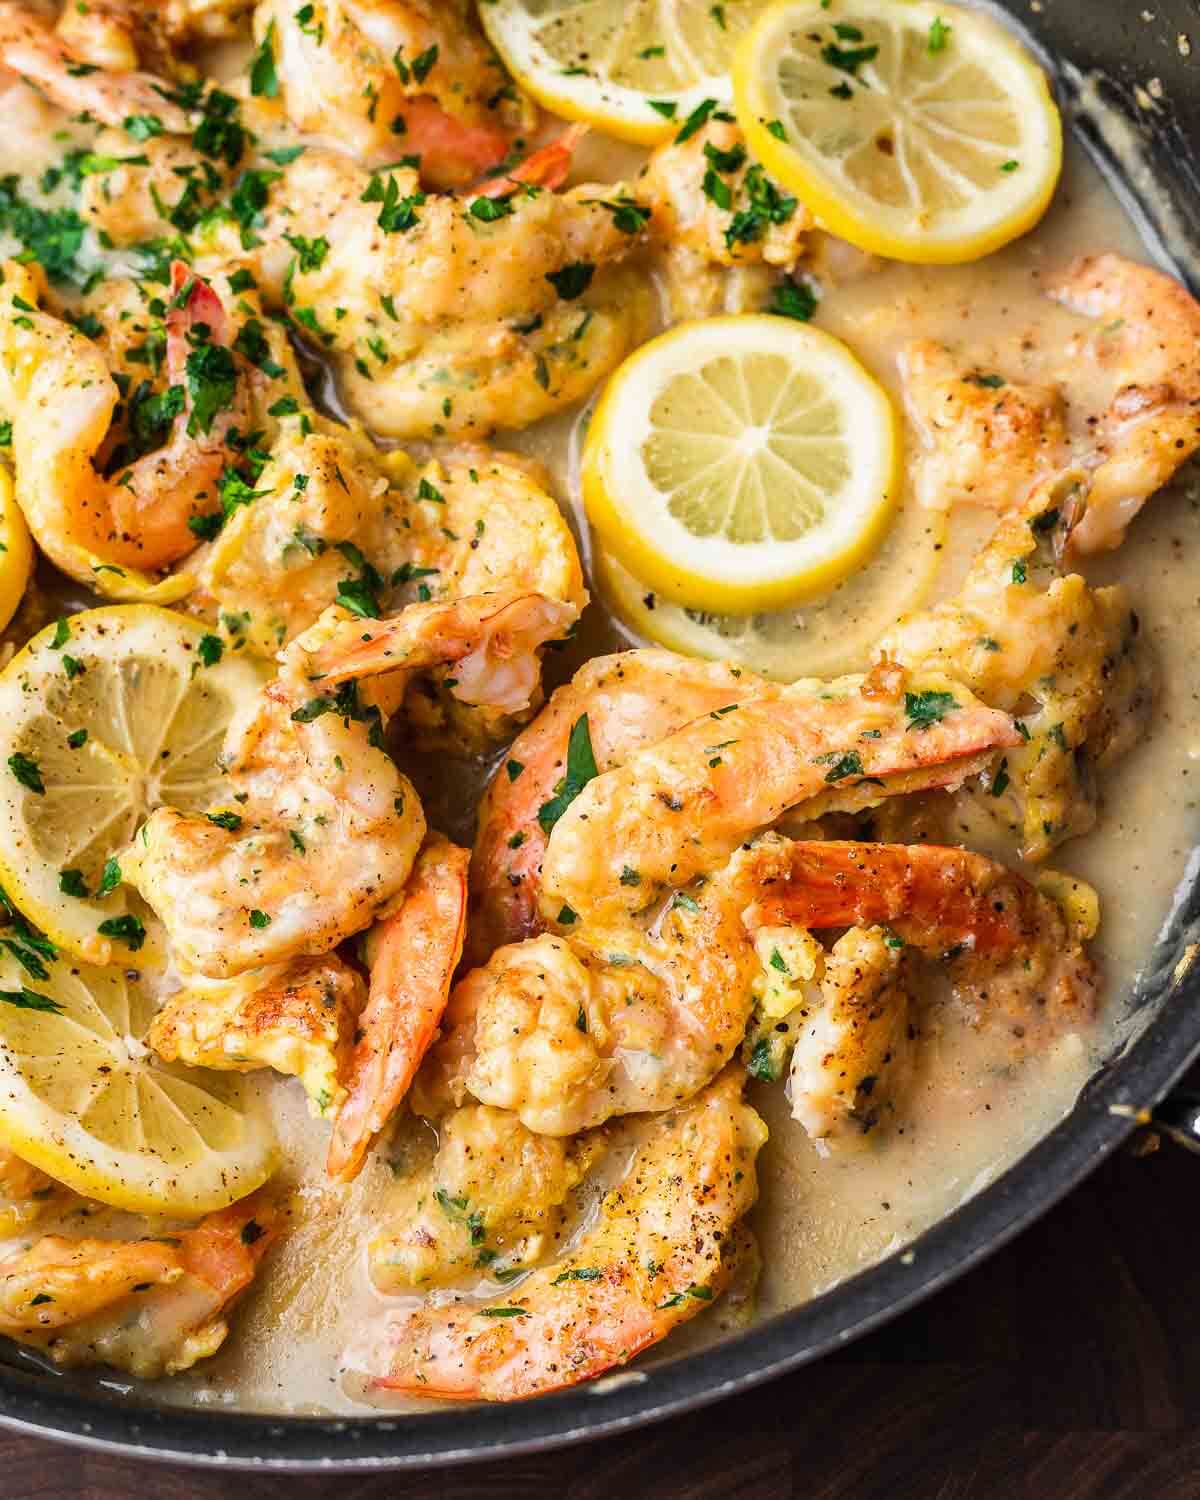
(1067, 1366)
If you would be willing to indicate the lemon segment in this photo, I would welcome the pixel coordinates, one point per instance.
(822, 637)
(920, 131)
(741, 463)
(103, 717)
(16, 551)
(81, 1098)
(609, 63)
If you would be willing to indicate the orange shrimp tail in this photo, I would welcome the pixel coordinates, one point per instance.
(453, 151)
(935, 897)
(546, 167)
(224, 1249)
(416, 953)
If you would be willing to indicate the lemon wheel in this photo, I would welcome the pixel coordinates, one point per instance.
(82, 1099)
(915, 130)
(635, 69)
(739, 464)
(103, 717)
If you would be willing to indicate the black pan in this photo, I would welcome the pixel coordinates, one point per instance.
(1102, 46)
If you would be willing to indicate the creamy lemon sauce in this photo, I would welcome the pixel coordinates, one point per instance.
(301, 1331)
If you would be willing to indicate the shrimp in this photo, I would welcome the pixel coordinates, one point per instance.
(629, 1011)
(150, 1307)
(1149, 340)
(90, 66)
(56, 387)
(382, 77)
(987, 439)
(327, 829)
(1069, 658)
(451, 319)
(470, 522)
(720, 225)
(298, 1017)
(676, 810)
(620, 703)
(661, 1248)
(856, 1042)
(493, 1199)
(1009, 949)
(413, 956)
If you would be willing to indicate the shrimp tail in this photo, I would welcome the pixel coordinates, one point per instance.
(492, 640)
(414, 954)
(547, 167)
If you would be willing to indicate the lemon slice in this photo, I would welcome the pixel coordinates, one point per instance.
(82, 1099)
(739, 464)
(916, 130)
(635, 69)
(16, 551)
(823, 637)
(103, 717)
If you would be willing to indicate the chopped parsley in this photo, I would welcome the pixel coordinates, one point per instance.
(581, 768)
(924, 710)
(30, 1000)
(793, 299)
(126, 929)
(572, 280)
(211, 381)
(264, 80)
(28, 772)
(695, 121)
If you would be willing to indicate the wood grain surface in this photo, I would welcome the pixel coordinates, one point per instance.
(1067, 1366)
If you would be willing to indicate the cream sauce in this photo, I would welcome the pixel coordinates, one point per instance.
(819, 1218)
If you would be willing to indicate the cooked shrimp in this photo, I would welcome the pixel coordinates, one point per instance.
(151, 1307)
(493, 1200)
(328, 829)
(1067, 657)
(987, 439)
(386, 77)
(720, 225)
(1008, 948)
(661, 1248)
(412, 955)
(491, 640)
(618, 1017)
(624, 702)
(78, 80)
(855, 1045)
(1150, 341)
(56, 387)
(297, 1017)
(677, 809)
(450, 320)
(472, 523)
